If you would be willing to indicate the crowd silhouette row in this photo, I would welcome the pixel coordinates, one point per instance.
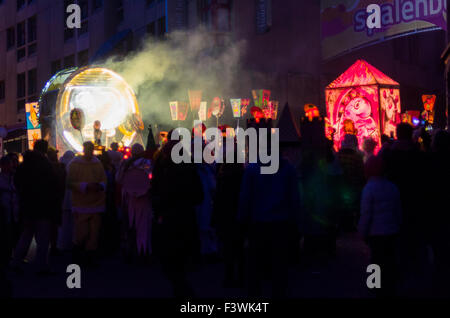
(152, 210)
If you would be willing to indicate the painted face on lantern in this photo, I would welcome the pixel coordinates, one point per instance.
(358, 107)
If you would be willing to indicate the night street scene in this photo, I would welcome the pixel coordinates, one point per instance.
(224, 156)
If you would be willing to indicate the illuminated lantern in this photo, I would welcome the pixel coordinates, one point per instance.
(217, 108)
(364, 101)
(261, 97)
(270, 110)
(195, 98)
(33, 124)
(311, 111)
(257, 113)
(411, 117)
(227, 131)
(100, 94)
(203, 111)
(178, 110)
(174, 110)
(428, 105)
(199, 130)
(183, 109)
(163, 137)
(236, 107)
(245, 102)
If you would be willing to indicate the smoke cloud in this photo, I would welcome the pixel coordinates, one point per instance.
(164, 70)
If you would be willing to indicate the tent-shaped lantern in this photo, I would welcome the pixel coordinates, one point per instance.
(363, 101)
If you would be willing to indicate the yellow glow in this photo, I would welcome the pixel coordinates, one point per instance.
(102, 95)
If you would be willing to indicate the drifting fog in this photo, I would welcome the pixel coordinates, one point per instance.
(164, 71)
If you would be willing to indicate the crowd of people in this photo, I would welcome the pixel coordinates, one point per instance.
(152, 210)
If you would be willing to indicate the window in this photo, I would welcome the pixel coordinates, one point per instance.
(69, 61)
(263, 16)
(151, 29)
(32, 49)
(55, 66)
(96, 4)
(21, 85)
(161, 26)
(84, 28)
(215, 14)
(68, 34)
(32, 82)
(20, 4)
(2, 90)
(21, 53)
(120, 14)
(84, 5)
(10, 38)
(21, 105)
(32, 29)
(83, 58)
(21, 34)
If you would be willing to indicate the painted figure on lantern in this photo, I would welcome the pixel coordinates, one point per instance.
(364, 102)
(390, 107)
(356, 120)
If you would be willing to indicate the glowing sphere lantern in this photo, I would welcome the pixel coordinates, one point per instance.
(93, 103)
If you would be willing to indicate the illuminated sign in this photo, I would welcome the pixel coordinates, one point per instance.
(345, 22)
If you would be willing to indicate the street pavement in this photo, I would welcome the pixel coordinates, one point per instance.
(343, 276)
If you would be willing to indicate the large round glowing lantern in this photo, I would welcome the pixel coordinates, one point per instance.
(105, 102)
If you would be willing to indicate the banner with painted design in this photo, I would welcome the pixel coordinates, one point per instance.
(236, 107)
(195, 98)
(261, 97)
(344, 22)
(33, 123)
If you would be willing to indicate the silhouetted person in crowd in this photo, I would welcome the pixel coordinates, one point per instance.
(268, 205)
(352, 164)
(135, 180)
(176, 190)
(369, 146)
(60, 172)
(380, 222)
(322, 181)
(8, 200)
(437, 215)
(36, 184)
(87, 179)
(110, 234)
(115, 155)
(403, 162)
(229, 230)
(65, 232)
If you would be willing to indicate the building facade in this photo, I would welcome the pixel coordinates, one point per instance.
(282, 37)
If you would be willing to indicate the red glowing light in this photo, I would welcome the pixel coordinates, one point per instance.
(362, 101)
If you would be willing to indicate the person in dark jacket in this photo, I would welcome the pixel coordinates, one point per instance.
(403, 159)
(36, 185)
(177, 189)
(60, 173)
(352, 163)
(229, 230)
(438, 218)
(268, 205)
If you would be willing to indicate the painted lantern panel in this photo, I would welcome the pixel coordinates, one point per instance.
(353, 110)
(390, 110)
